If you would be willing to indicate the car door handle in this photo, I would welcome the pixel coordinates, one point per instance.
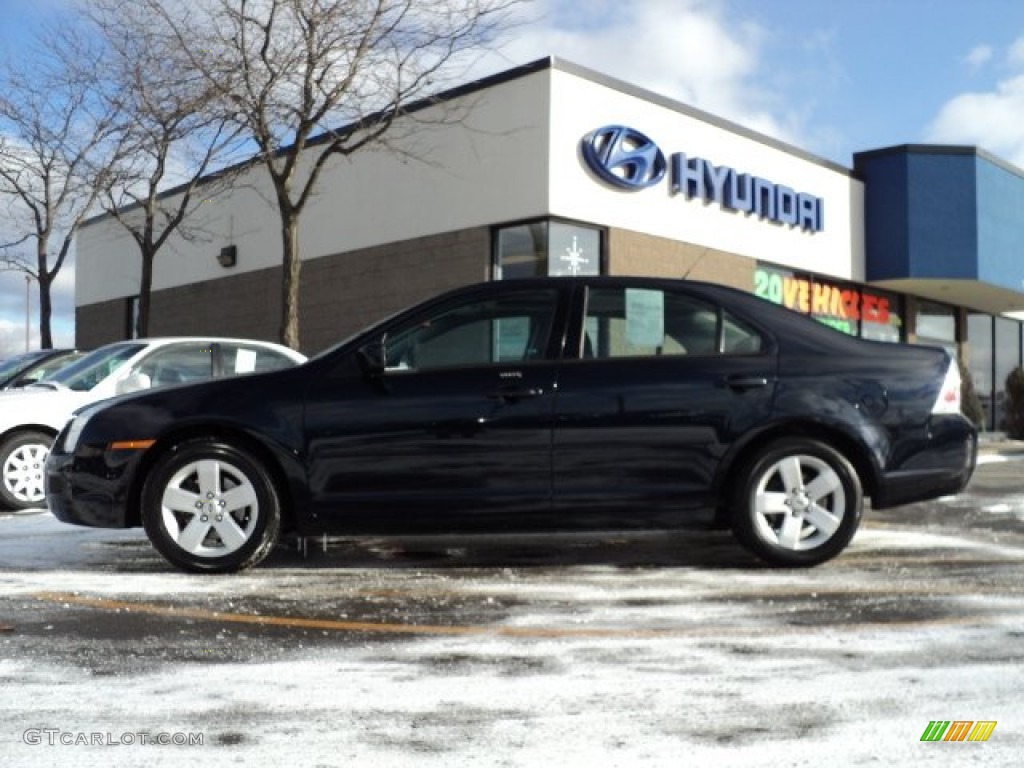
(741, 383)
(514, 394)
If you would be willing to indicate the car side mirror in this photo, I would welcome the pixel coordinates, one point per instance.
(134, 382)
(372, 357)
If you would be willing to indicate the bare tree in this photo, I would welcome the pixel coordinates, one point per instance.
(314, 79)
(170, 133)
(54, 133)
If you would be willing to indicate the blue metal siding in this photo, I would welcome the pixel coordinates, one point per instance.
(885, 215)
(1000, 226)
(942, 213)
(943, 216)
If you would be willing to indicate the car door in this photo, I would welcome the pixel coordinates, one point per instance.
(454, 431)
(664, 383)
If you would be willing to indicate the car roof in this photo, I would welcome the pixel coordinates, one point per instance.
(159, 341)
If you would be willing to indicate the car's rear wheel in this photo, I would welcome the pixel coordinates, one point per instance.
(22, 463)
(798, 503)
(211, 507)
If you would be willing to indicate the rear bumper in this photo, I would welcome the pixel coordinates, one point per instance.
(940, 462)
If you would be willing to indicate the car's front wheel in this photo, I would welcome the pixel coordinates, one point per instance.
(22, 463)
(798, 503)
(211, 507)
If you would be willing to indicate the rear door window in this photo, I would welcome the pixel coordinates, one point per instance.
(651, 322)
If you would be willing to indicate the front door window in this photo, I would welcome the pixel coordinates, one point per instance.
(512, 328)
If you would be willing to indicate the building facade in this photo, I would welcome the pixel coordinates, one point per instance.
(550, 168)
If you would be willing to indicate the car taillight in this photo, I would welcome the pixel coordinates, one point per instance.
(948, 400)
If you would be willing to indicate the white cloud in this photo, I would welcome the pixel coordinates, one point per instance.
(12, 311)
(1015, 55)
(979, 56)
(992, 120)
(688, 50)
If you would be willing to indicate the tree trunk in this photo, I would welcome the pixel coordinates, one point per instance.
(45, 312)
(145, 291)
(291, 267)
(44, 279)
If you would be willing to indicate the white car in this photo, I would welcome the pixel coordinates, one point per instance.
(30, 418)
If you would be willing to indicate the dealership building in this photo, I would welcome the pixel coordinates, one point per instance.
(553, 169)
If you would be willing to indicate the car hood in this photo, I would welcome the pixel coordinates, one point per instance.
(37, 406)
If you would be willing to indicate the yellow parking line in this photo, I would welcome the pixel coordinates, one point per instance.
(703, 630)
(339, 626)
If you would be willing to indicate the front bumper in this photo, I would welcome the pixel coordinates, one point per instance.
(91, 487)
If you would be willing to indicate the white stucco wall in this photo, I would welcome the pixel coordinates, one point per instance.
(515, 157)
(489, 167)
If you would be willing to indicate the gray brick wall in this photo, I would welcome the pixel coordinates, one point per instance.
(339, 294)
(635, 253)
(344, 292)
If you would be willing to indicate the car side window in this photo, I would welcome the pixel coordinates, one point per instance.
(176, 364)
(739, 338)
(511, 328)
(650, 322)
(237, 359)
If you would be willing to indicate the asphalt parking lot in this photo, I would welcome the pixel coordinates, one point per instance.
(657, 650)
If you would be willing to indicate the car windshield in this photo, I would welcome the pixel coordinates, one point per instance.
(86, 373)
(12, 365)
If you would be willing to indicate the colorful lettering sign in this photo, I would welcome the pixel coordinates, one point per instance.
(840, 306)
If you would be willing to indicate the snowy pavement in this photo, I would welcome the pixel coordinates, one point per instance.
(651, 651)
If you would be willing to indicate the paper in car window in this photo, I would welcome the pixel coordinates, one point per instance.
(645, 317)
(245, 361)
(511, 335)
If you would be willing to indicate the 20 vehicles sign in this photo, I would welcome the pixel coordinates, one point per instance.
(627, 159)
(844, 307)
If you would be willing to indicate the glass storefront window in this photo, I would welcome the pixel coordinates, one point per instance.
(1007, 346)
(521, 251)
(539, 248)
(882, 316)
(856, 310)
(980, 359)
(131, 317)
(936, 325)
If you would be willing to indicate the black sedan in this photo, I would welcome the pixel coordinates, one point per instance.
(563, 404)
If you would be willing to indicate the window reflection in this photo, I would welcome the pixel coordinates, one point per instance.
(980, 359)
(544, 247)
(936, 325)
(1007, 345)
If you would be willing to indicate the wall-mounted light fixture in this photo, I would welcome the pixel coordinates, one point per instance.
(228, 256)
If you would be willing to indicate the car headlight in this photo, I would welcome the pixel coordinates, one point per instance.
(73, 430)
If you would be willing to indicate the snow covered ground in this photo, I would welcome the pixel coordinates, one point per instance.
(594, 663)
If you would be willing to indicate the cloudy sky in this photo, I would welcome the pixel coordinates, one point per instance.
(832, 77)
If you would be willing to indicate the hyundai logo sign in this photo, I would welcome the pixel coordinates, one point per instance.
(624, 157)
(627, 159)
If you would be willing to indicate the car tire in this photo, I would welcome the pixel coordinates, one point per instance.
(22, 470)
(798, 503)
(211, 507)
